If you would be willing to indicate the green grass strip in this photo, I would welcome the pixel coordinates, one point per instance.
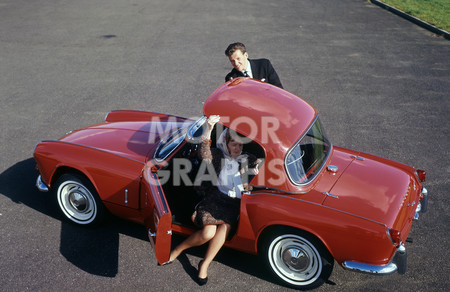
(435, 12)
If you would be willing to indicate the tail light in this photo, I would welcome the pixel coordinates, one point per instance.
(422, 174)
(395, 236)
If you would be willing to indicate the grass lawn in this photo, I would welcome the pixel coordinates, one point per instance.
(435, 12)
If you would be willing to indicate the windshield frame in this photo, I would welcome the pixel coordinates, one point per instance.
(324, 161)
(176, 137)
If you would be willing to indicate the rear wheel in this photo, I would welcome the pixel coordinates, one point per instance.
(298, 259)
(78, 200)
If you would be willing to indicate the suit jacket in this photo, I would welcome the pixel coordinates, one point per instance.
(261, 69)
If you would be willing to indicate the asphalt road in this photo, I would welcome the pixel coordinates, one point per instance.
(380, 83)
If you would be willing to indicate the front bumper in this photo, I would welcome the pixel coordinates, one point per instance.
(398, 264)
(41, 185)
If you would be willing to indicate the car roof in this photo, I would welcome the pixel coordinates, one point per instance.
(256, 109)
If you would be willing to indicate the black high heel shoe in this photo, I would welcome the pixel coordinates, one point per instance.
(166, 263)
(201, 281)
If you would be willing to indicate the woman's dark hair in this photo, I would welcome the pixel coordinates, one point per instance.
(233, 135)
(234, 47)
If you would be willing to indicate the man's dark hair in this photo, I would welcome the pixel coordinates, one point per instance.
(234, 47)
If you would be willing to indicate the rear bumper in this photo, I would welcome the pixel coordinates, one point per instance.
(398, 264)
(423, 204)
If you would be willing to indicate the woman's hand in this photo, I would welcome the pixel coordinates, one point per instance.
(210, 123)
(255, 170)
(212, 120)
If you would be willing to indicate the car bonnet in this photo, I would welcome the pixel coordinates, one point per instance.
(135, 140)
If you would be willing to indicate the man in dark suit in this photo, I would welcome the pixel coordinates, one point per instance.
(260, 69)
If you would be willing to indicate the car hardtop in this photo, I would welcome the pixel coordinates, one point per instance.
(254, 108)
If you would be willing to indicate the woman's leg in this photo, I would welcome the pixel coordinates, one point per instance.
(195, 239)
(213, 248)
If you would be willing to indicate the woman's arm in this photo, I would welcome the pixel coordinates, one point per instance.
(205, 149)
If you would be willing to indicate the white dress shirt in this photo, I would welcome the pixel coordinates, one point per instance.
(249, 70)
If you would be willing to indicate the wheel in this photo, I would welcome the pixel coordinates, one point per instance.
(298, 259)
(78, 200)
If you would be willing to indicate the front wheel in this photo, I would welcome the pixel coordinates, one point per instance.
(78, 200)
(298, 259)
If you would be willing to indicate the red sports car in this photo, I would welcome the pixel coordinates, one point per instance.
(310, 204)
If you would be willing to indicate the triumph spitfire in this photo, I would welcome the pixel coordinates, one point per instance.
(310, 204)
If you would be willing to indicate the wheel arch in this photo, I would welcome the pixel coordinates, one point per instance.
(64, 169)
(268, 231)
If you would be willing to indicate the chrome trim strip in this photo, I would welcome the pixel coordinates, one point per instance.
(389, 236)
(357, 157)
(317, 204)
(258, 188)
(104, 119)
(330, 195)
(40, 184)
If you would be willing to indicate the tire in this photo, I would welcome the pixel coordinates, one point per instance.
(298, 259)
(78, 200)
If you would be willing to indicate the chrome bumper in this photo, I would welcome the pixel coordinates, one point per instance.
(423, 204)
(40, 184)
(398, 264)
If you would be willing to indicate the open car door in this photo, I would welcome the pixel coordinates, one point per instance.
(158, 218)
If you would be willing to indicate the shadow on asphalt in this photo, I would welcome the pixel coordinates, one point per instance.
(92, 249)
(95, 249)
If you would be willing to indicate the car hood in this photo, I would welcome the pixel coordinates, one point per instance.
(373, 188)
(135, 140)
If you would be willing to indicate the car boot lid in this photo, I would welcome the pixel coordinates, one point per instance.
(375, 188)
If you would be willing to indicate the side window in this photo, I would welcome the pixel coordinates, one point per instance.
(294, 164)
(307, 157)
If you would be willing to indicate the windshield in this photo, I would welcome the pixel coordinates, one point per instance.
(307, 157)
(176, 137)
(167, 145)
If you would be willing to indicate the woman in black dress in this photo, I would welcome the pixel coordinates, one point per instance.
(218, 212)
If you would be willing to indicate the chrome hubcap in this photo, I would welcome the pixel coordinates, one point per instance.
(78, 201)
(295, 259)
